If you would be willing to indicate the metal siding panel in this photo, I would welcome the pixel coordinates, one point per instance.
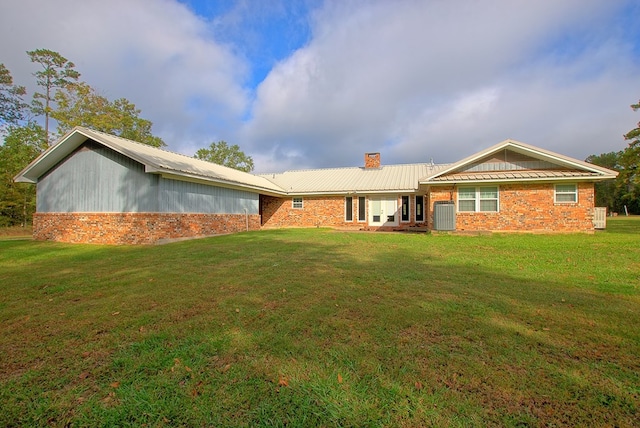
(188, 197)
(97, 179)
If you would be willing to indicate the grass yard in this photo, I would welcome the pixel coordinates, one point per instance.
(322, 328)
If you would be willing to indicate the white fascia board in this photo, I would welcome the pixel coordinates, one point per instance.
(51, 157)
(513, 180)
(523, 148)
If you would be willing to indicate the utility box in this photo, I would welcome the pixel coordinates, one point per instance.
(444, 215)
(600, 217)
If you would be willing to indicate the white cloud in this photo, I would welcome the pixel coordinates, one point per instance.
(413, 79)
(157, 54)
(417, 79)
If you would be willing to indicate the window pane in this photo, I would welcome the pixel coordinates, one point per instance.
(566, 193)
(565, 188)
(566, 197)
(348, 208)
(488, 193)
(466, 205)
(405, 208)
(489, 205)
(361, 209)
(419, 202)
(467, 193)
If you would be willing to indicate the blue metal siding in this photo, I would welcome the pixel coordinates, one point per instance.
(186, 197)
(97, 179)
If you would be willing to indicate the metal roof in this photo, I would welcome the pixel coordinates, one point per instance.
(155, 160)
(388, 178)
(515, 175)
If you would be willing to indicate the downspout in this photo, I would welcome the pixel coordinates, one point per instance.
(246, 217)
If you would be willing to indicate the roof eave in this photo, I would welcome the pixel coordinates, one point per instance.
(517, 180)
(179, 175)
(350, 192)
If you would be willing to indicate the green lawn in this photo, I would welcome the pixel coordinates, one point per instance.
(323, 328)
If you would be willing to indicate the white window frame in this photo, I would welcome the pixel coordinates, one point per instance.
(573, 192)
(477, 199)
(297, 203)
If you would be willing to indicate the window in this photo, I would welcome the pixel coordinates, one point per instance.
(296, 203)
(419, 208)
(405, 209)
(478, 199)
(348, 208)
(566, 193)
(361, 209)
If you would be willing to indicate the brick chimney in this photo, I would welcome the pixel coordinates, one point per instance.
(371, 160)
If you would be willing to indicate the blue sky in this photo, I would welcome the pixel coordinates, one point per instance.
(317, 83)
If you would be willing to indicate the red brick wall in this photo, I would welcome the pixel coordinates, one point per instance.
(526, 207)
(135, 228)
(323, 211)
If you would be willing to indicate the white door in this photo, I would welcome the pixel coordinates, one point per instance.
(383, 211)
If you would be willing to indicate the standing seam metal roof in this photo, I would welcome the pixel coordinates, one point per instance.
(154, 159)
(353, 179)
(387, 178)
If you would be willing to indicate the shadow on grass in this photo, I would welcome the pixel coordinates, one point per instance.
(306, 328)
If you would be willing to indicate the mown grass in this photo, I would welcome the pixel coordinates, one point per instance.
(324, 328)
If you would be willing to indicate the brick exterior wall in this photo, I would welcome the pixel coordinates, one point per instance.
(324, 211)
(135, 228)
(525, 208)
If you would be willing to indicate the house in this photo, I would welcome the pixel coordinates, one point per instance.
(98, 188)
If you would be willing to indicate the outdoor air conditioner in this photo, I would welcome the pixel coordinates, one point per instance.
(444, 215)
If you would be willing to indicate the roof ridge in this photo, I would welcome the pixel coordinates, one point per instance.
(190, 158)
(356, 167)
(138, 142)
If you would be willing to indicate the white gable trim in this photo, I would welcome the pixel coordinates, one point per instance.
(532, 151)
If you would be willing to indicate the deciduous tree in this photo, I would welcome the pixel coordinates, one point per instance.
(223, 154)
(607, 194)
(629, 178)
(12, 106)
(80, 105)
(22, 144)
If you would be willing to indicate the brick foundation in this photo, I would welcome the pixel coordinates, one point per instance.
(135, 228)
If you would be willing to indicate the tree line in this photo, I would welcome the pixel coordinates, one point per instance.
(25, 126)
(621, 195)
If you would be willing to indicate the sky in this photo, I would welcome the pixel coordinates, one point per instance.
(304, 84)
